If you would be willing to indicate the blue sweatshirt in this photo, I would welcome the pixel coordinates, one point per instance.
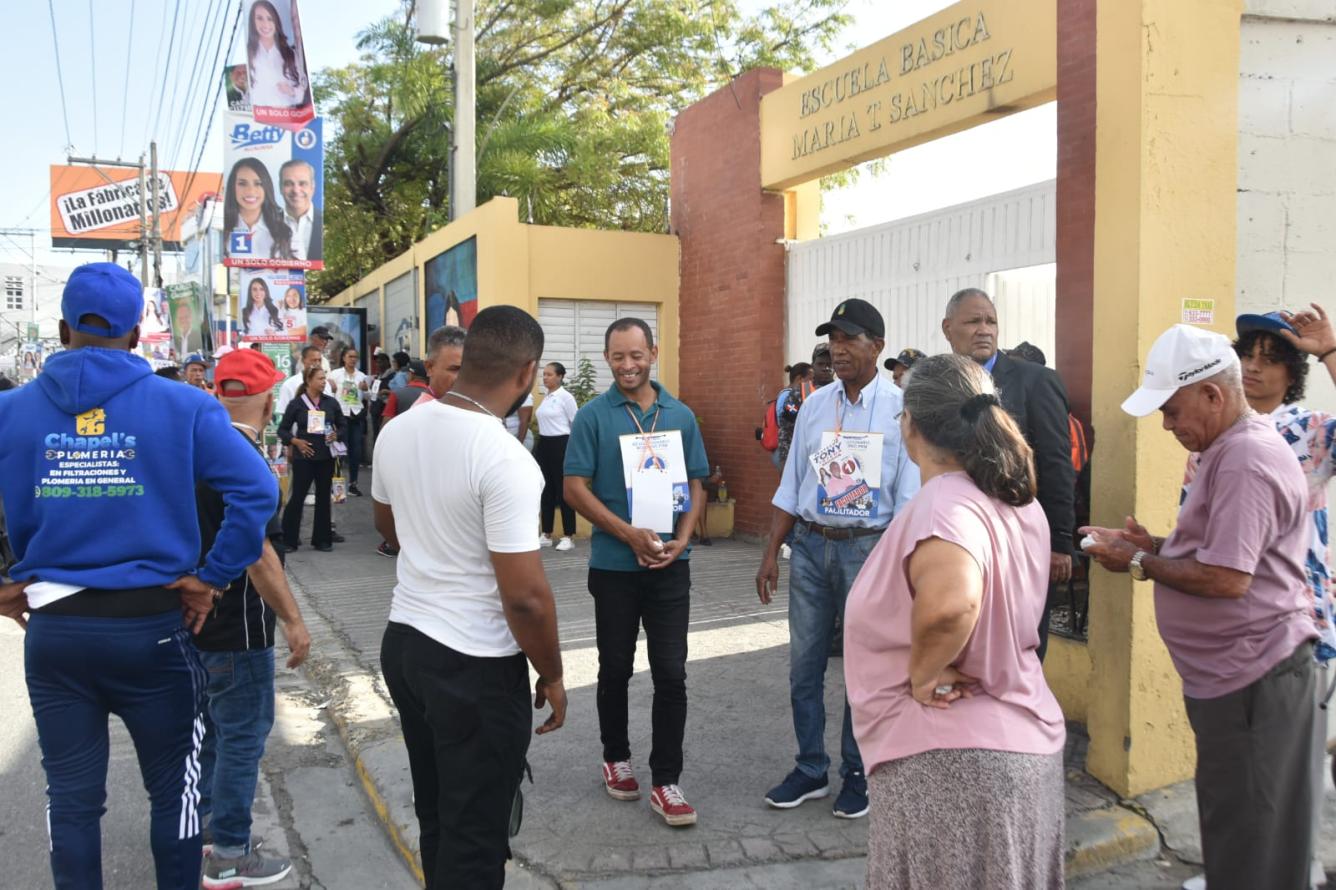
(98, 473)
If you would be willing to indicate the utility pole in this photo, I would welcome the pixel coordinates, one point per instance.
(465, 184)
(143, 224)
(157, 217)
(143, 204)
(463, 148)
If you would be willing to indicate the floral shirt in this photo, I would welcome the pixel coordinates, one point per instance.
(1311, 435)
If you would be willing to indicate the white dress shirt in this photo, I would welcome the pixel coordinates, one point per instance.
(302, 227)
(266, 74)
(556, 413)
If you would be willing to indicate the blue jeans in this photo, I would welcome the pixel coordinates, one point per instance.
(146, 671)
(239, 716)
(820, 575)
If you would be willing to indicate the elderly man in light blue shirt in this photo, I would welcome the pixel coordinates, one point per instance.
(846, 477)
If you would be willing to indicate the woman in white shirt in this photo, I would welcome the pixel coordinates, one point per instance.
(292, 317)
(276, 78)
(555, 416)
(352, 388)
(260, 317)
(249, 206)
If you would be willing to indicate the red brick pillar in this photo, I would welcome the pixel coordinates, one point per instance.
(732, 285)
(1076, 199)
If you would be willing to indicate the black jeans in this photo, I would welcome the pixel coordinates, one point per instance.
(661, 599)
(550, 452)
(304, 473)
(467, 724)
(356, 444)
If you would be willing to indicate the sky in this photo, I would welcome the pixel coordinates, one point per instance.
(115, 101)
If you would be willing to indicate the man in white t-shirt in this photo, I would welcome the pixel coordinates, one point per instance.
(288, 391)
(471, 601)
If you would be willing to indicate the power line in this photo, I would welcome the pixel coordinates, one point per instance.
(125, 93)
(162, 34)
(215, 23)
(92, 67)
(166, 70)
(218, 91)
(60, 77)
(189, 27)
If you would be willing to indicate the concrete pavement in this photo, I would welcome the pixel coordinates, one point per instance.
(739, 738)
(309, 805)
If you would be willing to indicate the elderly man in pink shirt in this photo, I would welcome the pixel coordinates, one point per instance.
(1234, 611)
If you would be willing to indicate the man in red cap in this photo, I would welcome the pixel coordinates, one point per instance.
(236, 646)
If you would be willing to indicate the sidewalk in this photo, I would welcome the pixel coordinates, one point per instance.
(739, 738)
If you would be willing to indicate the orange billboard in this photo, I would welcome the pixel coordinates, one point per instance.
(98, 208)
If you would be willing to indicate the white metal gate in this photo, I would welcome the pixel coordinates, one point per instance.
(908, 269)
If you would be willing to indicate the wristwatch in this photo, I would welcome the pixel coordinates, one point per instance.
(1135, 568)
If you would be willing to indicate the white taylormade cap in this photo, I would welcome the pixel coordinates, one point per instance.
(1181, 356)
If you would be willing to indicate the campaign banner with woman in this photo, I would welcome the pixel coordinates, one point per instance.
(278, 85)
(273, 195)
(272, 307)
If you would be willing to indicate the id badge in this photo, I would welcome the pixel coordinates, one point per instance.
(315, 423)
(652, 500)
(848, 474)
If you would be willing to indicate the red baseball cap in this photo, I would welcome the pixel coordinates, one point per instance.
(249, 367)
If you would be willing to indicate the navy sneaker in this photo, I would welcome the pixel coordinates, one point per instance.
(852, 802)
(796, 788)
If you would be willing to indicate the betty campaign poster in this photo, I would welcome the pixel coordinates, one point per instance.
(273, 195)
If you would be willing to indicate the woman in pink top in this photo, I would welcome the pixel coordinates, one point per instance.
(961, 737)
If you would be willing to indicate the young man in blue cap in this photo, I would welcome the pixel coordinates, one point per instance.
(98, 481)
(836, 520)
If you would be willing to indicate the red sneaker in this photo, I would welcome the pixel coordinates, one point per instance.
(668, 802)
(619, 780)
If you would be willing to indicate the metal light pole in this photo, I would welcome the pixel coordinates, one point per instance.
(431, 28)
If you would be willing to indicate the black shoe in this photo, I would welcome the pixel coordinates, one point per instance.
(354, 490)
(288, 548)
(324, 548)
(337, 538)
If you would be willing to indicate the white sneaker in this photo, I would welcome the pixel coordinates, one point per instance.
(785, 551)
(310, 500)
(544, 540)
(1197, 882)
(565, 544)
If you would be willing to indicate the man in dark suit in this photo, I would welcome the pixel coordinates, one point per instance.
(296, 180)
(1036, 399)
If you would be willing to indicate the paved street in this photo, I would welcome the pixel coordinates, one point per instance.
(739, 735)
(310, 805)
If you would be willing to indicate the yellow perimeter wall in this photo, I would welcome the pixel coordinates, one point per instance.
(519, 263)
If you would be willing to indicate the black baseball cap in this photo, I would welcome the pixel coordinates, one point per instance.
(907, 357)
(418, 368)
(822, 348)
(854, 317)
(321, 331)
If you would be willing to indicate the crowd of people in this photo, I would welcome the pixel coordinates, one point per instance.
(927, 515)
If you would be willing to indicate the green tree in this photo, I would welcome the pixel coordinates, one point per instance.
(574, 100)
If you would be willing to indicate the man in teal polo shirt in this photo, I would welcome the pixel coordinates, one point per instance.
(634, 467)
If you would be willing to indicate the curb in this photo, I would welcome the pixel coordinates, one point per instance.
(1098, 840)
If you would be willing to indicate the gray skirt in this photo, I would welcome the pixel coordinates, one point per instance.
(958, 819)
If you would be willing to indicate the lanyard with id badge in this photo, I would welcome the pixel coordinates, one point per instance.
(315, 418)
(655, 470)
(848, 469)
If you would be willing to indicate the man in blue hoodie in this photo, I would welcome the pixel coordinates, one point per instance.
(98, 478)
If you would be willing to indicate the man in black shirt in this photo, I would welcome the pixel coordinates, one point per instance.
(237, 648)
